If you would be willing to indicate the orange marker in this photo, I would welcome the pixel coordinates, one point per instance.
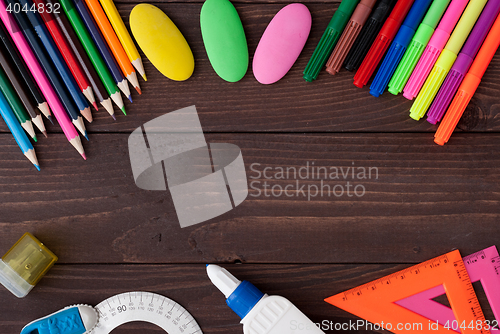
(113, 42)
(376, 301)
(469, 85)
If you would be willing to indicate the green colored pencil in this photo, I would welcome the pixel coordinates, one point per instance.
(16, 104)
(91, 50)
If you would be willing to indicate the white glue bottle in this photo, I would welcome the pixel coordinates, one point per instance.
(260, 313)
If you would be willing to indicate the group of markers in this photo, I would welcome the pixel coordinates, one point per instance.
(437, 51)
(60, 56)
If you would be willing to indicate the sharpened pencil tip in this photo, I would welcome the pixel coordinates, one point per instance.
(123, 111)
(138, 90)
(45, 133)
(37, 167)
(95, 106)
(50, 119)
(114, 118)
(130, 98)
(86, 136)
(84, 156)
(144, 77)
(35, 140)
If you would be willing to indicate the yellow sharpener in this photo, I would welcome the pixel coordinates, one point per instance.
(25, 264)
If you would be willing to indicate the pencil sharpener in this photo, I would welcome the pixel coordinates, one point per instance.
(25, 264)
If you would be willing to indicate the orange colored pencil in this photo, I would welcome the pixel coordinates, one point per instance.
(113, 42)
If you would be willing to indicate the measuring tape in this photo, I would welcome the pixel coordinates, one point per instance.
(376, 301)
(147, 307)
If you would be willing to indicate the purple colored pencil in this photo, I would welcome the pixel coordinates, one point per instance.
(463, 62)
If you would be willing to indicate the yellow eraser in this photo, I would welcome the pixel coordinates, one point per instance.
(162, 42)
(25, 264)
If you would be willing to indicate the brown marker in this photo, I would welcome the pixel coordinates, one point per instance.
(349, 35)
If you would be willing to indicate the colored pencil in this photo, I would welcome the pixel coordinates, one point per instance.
(57, 59)
(16, 105)
(16, 130)
(92, 51)
(123, 35)
(92, 76)
(47, 65)
(113, 43)
(27, 101)
(103, 48)
(41, 79)
(19, 63)
(67, 53)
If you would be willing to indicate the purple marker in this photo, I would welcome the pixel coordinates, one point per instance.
(463, 62)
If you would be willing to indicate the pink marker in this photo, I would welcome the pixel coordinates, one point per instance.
(482, 266)
(434, 48)
(40, 78)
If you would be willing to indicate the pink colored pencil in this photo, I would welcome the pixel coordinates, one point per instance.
(40, 78)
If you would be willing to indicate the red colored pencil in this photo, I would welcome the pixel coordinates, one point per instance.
(68, 55)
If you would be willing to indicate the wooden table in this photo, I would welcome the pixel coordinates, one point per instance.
(112, 237)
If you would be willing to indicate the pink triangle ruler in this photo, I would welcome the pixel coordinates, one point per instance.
(482, 266)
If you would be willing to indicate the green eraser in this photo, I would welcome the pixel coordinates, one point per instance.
(224, 39)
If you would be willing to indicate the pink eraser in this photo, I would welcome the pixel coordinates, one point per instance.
(281, 43)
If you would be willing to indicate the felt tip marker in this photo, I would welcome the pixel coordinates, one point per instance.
(417, 46)
(446, 59)
(351, 32)
(434, 48)
(382, 42)
(368, 33)
(398, 46)
(329, 39)
(469, 85)
(463, 62)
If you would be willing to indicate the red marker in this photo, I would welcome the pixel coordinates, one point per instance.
(382, 42)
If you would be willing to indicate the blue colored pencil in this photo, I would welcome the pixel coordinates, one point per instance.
(17, 131)
(98, 39)
(61, 66)
(48, 67)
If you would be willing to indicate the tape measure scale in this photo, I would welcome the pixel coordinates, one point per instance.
(144, 306)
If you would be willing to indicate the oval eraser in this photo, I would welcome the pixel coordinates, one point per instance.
(162, 42)
(281, 43)
(224, 39)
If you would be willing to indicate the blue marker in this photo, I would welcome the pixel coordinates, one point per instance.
(17, 131)
(398, 46)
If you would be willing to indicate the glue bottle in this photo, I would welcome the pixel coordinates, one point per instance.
(260, 313)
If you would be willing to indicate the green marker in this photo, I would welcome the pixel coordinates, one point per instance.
(417, 46)
(329, 39)
(91, 50)
(16, 104)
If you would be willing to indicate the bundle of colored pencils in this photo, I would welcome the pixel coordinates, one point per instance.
(62, 57)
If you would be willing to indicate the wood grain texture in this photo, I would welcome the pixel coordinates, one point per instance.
(304, 285)
(427, 200)
(329, 104)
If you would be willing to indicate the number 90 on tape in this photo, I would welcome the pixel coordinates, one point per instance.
(146, 307)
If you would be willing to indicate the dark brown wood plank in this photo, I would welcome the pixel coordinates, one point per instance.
(426, 200)
(304, 285)
(330, 104)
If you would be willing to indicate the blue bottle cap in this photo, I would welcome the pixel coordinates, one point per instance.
(244, 298)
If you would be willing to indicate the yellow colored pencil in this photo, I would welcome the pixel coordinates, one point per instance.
(123, 35)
